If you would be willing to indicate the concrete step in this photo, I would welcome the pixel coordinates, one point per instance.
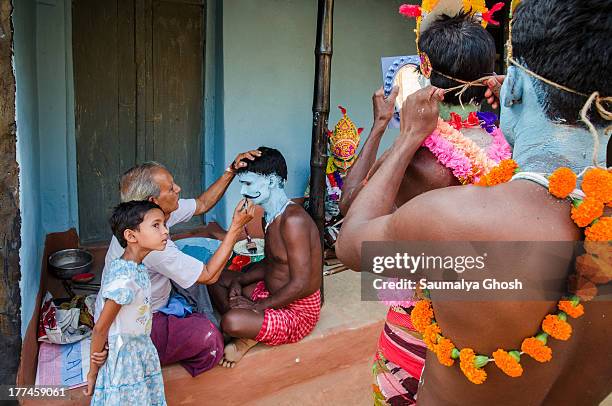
(335, 364)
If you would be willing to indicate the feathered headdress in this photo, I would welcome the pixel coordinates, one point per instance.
(431, 9)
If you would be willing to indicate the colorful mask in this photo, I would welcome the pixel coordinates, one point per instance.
(343, 142)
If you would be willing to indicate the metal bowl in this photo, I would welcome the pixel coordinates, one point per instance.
(70, 262)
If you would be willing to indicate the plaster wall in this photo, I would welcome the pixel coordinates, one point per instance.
(28, 155)
(268, 72)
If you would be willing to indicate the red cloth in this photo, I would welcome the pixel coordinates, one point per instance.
(289, 324)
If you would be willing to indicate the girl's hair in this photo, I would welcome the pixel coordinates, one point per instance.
(128, 216)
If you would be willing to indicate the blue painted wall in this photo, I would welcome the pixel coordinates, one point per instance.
(28, 155)
(268, 72)
(59, 208)
(45, 133)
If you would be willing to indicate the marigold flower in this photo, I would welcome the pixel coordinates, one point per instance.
(502, 173)
(568, 307)
(585, 212)
(444, 351)
(556, 327)
(600, 231)
(597, 183)
(562, 182)
(422, 315)
(596, 266)
(430, 336)
(469, 369)
(582, 287)
(536, 349)
(507, 363)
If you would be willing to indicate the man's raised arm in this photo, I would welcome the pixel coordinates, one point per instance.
(383, 112)
(369, 217)
(211, 196)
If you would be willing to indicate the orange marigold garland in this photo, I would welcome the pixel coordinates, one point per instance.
(422, 315)
(562, 182)
(536, 348)
(571, 307)
(556, 326)
(468, 364)
(444, 351)
(597, 184)
(508, 362)
(502, 173)
(582, 287)
(586, 211)
(600, 231)
(430, 336)
(596, 265)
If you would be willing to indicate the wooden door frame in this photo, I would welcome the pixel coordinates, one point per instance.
(10, 226)
(143, 109)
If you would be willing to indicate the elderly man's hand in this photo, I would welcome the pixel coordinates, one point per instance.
(239, 162)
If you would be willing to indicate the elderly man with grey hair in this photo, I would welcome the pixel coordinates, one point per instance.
(193, 341)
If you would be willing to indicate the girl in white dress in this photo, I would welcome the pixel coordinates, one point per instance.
(131, 373)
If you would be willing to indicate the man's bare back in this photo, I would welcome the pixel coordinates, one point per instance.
(517, 211)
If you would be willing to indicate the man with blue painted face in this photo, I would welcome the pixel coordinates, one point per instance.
(277, 300)
(554, 107)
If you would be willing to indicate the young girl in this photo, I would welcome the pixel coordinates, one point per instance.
(131, 373)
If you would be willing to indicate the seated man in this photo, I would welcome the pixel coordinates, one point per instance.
(193, 340)
(277, 300)
(561, 59)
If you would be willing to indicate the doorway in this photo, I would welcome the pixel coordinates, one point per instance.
(138, 76)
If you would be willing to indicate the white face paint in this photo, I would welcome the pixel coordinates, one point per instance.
(254, 187)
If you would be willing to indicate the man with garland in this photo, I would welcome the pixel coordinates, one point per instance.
(465, 147)
(559, 66)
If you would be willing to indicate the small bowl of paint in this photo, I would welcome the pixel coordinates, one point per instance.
(240, 248)
(83, 277)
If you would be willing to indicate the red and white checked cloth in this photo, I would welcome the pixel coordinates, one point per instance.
(291, 323)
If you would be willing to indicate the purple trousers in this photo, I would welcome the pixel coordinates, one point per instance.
(193, 341)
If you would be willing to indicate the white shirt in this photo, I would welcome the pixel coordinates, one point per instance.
(171, 263)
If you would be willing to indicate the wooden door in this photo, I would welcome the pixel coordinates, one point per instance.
(138, 73)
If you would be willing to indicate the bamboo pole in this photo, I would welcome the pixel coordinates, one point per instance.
(320, 111)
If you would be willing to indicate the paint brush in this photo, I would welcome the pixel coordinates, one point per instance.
(250, 245)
